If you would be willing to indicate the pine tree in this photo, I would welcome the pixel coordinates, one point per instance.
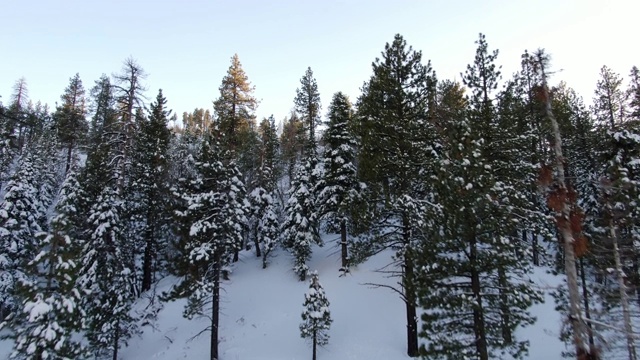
(472, 259)
(316, 317)
(218, 210)
(261, 196)
(291, 142)
(236, 105)
(620, 191)
(339, 189)
(150, 185)
(19, 111)
(269, 229)
(307, 105)
(51, 312)
(397, 148)
(129, 96)
(18, 226)
(106, 276)
(299, 228)
(70, 122)
(633, 94)
(609, 98)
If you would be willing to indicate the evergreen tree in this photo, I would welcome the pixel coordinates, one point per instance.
(609, 100)
(473, 257)
(633, 94)
(339, 188)
(299, 228)
(218, 210)
(103, 109)
(129, 96)
(18, 226)
(150, 185)
(397, 148)
(307, 105)
(51, 312)
(316, 317)
(291, 140)
(269, 228)
(261, 196)
(19, 111)
(236, 106)
(70, 122)
(621, 229)
(106, 277)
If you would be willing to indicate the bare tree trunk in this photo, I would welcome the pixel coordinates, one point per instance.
(315, 345)
(579, 327)
(147, 264)
(215, 306)
(478, 316)
(409, 291)
(507, 336)
(255, 240)
(69, 151)
(116, 340)
(624, 296)
(343, 245)
(585, 299)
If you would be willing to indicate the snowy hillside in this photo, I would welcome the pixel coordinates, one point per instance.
(261, 314)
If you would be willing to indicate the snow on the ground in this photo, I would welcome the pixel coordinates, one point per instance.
(261, 314)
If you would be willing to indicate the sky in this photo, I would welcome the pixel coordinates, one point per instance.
(186, 46)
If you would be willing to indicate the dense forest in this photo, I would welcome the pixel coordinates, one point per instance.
(471, 184)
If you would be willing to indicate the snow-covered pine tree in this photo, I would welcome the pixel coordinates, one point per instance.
(473, 256)
(106, 277)
(265, 181)
(51, 316)
(20, 211)
(182, 173)
(150, 187)
(339, 189)
(397, 150)
(7, 142)
(218, 209)
(316, 317)
(269, 229)
(299, 228)
(620, 193)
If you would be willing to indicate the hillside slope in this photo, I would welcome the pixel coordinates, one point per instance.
(261, 314)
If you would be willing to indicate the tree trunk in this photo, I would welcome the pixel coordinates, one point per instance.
(215, 306)
(585, 299)
(236, 255)
(636, 277)
(409, 291)
(343, 245)
(534, 247)
(116, 340)
(255, 240)
(504, 308)
(315, 345)
(149, 253)
(624, 297)
(578, 325)
(478, 315)
(147, 265)
(69, 151)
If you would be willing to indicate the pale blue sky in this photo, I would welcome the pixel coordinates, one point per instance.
(185, 46)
